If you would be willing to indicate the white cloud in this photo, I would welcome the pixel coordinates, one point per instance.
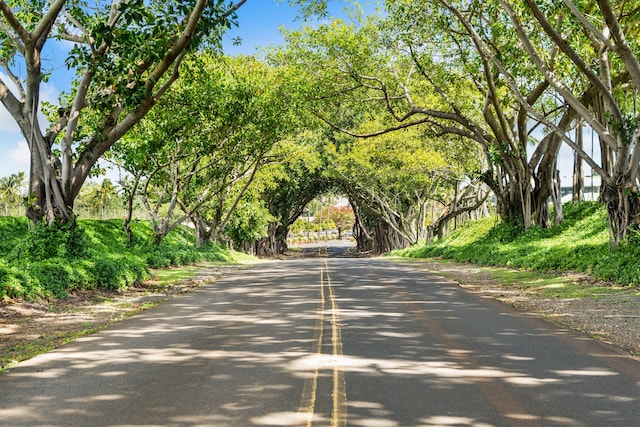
(20, 155)
(14, 156)
(7, 124)
(14, 151)
(48, 93)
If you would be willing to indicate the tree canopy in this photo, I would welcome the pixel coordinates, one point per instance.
(433, 103)
(126, 55)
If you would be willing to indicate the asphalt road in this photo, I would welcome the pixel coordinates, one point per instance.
(327, 342)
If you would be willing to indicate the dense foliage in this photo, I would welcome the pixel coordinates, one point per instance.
(125, 54)
(55, 260)
(580, 244)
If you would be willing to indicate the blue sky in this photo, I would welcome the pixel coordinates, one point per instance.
(259, 23)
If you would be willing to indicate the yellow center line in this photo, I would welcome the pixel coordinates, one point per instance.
(309, 392)
(310, 389)
(339, 395)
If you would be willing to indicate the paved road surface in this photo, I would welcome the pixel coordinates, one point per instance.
(327, 342)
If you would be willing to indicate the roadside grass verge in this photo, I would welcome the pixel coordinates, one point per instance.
(168, 276)
(579, 245)
(46, 263)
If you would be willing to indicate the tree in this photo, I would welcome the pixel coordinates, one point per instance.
(213, 131)
(249, 222)
(126, 55)
(288, 186)
(603, 54)
(389, 175)
(196, 156)
(342, 217)
(396, 66)
(391, 178)
(11, 190)
(98, 197)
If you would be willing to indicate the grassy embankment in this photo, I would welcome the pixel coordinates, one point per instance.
(44, 263)
(579, 245)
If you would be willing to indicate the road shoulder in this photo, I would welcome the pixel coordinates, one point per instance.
(613, 318)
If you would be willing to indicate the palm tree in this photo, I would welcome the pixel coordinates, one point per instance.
(104, 194)
(97, 197)
(10, 190)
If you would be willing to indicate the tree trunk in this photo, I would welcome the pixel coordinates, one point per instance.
(131, 194)
(622, 199)
(556, 199)
(200, 230)
(274, 244)
(578, 179)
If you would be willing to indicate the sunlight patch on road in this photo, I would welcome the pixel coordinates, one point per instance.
(588, 372)
(375, 422)
(97, 398)
(285, 419)
(445, 420)
(530, 381)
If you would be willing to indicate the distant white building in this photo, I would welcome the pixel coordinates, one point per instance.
(591, 188)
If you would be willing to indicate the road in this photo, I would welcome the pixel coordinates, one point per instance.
(327, 342)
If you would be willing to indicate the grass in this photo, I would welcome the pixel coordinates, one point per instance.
(44, 264)
(164, 277)
(551, 285)
(579, 245)
(539, 283)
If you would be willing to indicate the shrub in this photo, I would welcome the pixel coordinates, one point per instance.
(47, 262)
(118, 272)
(58, 240)
(162, 256)
(15, 283)
(54, 275)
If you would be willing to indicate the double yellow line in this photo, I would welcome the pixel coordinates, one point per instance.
(339, 391)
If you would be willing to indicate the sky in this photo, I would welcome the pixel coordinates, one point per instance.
(259, 24)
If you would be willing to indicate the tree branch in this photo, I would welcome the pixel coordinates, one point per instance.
(576, 59)
(562, 90)
(41, 33)
(14, 23)
(622, 46)
(592, 30)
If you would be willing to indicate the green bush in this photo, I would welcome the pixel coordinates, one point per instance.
(12, 230)
(58, 240)
(47, 262)
(118, 271)
(165, 255)
(15, 283)
(55, 276)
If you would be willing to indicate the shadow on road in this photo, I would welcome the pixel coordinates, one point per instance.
(409, 348)
(330, 249)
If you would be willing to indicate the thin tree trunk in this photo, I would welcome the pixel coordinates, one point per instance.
(578, 179)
